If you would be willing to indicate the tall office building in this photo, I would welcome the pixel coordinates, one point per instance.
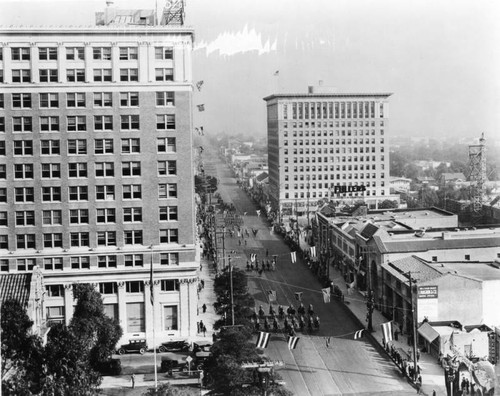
(96, 181)
(327, 146)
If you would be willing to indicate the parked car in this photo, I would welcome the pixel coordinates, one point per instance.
(134, 345)
(175, 346)
(169, 365)
(202, 346)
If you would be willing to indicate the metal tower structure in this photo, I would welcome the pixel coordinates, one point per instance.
(173, 13)
(477, 178)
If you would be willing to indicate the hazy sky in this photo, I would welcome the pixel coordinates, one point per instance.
(439, 58)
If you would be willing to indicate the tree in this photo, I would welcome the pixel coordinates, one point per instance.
(166, 389)
(388, 204)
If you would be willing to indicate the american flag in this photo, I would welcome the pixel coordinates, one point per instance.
(253, 256)
(313, 251)
(294, 257)
(387, 331)
(292, 342)
(358, 334)
(263, 339)
(326, 294)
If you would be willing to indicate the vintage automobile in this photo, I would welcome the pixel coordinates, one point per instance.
(202, 346)
(134, 345)
(175, 346)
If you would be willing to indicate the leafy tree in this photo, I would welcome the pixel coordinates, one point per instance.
(201, 188)
(166, 389)
(428, 197)
(388, 204)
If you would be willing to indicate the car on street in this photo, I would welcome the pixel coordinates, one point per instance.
(202, 346)
(134, 345)
(175, 346)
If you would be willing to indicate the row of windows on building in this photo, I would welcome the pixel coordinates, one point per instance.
(313, 186)
(47, 100)
(85, 216)
(326, 168)
(84, 262)
(332, 150)
(307, 160)
(78, 53)
(330, 124)
(332, 110)
(80, 169)
(83, 239)
(327, 176)
(162, 74)
(78, 147)
(79, 123)
(81, 193)
(328, 194)
(331, 142)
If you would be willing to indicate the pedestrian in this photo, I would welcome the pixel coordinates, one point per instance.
(467, 385)
(267, 253)
(202, 325)
(239, 242)
(204, 331)
(132, 378)
(198, 327)
(260, 272)
(433, 392)
(202, 284)
(419, 385)
(396, 334)
(245, 242)
(204, 307)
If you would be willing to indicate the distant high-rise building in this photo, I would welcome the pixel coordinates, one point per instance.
(96, 181)
(327, 146)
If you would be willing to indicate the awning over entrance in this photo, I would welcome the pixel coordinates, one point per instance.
(428, 332)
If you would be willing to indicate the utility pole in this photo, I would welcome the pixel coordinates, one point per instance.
(231, 289)
(370, 301)
(413, 325)
(308, 185)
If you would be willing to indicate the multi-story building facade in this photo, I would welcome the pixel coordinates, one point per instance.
(325, 145)
(96, 181)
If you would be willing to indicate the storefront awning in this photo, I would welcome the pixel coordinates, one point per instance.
(428, 332)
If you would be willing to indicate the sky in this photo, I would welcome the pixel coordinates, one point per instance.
(440, 59)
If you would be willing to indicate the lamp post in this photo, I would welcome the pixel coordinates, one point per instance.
(413, 325)
(369, 302)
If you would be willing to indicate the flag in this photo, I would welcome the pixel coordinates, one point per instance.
(387, 330)
(358, 334)
(201, 107)
(276, 73)
(292, 342)
(253, 256)
(298, 296)
(201, 131)
(294, 257)
(263, 339)
(151, 289)
(326, 294)
(271, 294)
(199, 84)
(313, 251)
(258, 212)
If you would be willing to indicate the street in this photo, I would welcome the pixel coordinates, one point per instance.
(345, 366)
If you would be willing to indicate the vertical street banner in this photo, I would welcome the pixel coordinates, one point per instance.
(387, 331)
(263, 339)
(253, 256)
(293, 256)
(326, 294)
(151, 288)
(292, 342)
(358, 334)
(313, 251)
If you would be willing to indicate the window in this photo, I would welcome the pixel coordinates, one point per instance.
(467, 256)
(169, 258)
(53, 263)
(104, 169)
(134, 287)
(52, 240)
(103, 122)
(79, 216)
(169, 236)
(128, 122)
(4, 242)
(106, 215)
(79, 239)
(77, 123)
(166, 145)
(132, 191)
(20, 53)
(50, 147)
(52, 217)
(48, 75)
(3, 167)
(106, 262)
(3, 219)
(25, 264)
(23, 147)
(103, 146)
(164, 74)
(49, 100)
(129, 99)
(2, 124)
(132, 214)
(2, 101)
(129, 75)
(25, 241)
(4, 265)
(163, 53)
(55, 315)
(106, 193)
(77, 146)
(167, 168)
(51, 171)
(168, 213)
(80, 262)
(77, 169)
(51, 194)
(21, 100)
(170, 285)
(130, 146)
(132, 237)
(23, 171)
(22, 124)
(106, 238)
(1, 76)
(165, 99)
(22, 76)
(3, 194)
(75, 53)
(49, 124)
(108, 287)
(78, 193)
(25, 218)
(2, 148)
(103, 99)
(168, 190)
(128, 53)
(54, 290)
(165, 121)
(134, 260)
(24, 194)
(47, 53)
(102, 53)
(135, 311)
(170, 321)
(75, 99)
(434, 258)
(102, 75)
